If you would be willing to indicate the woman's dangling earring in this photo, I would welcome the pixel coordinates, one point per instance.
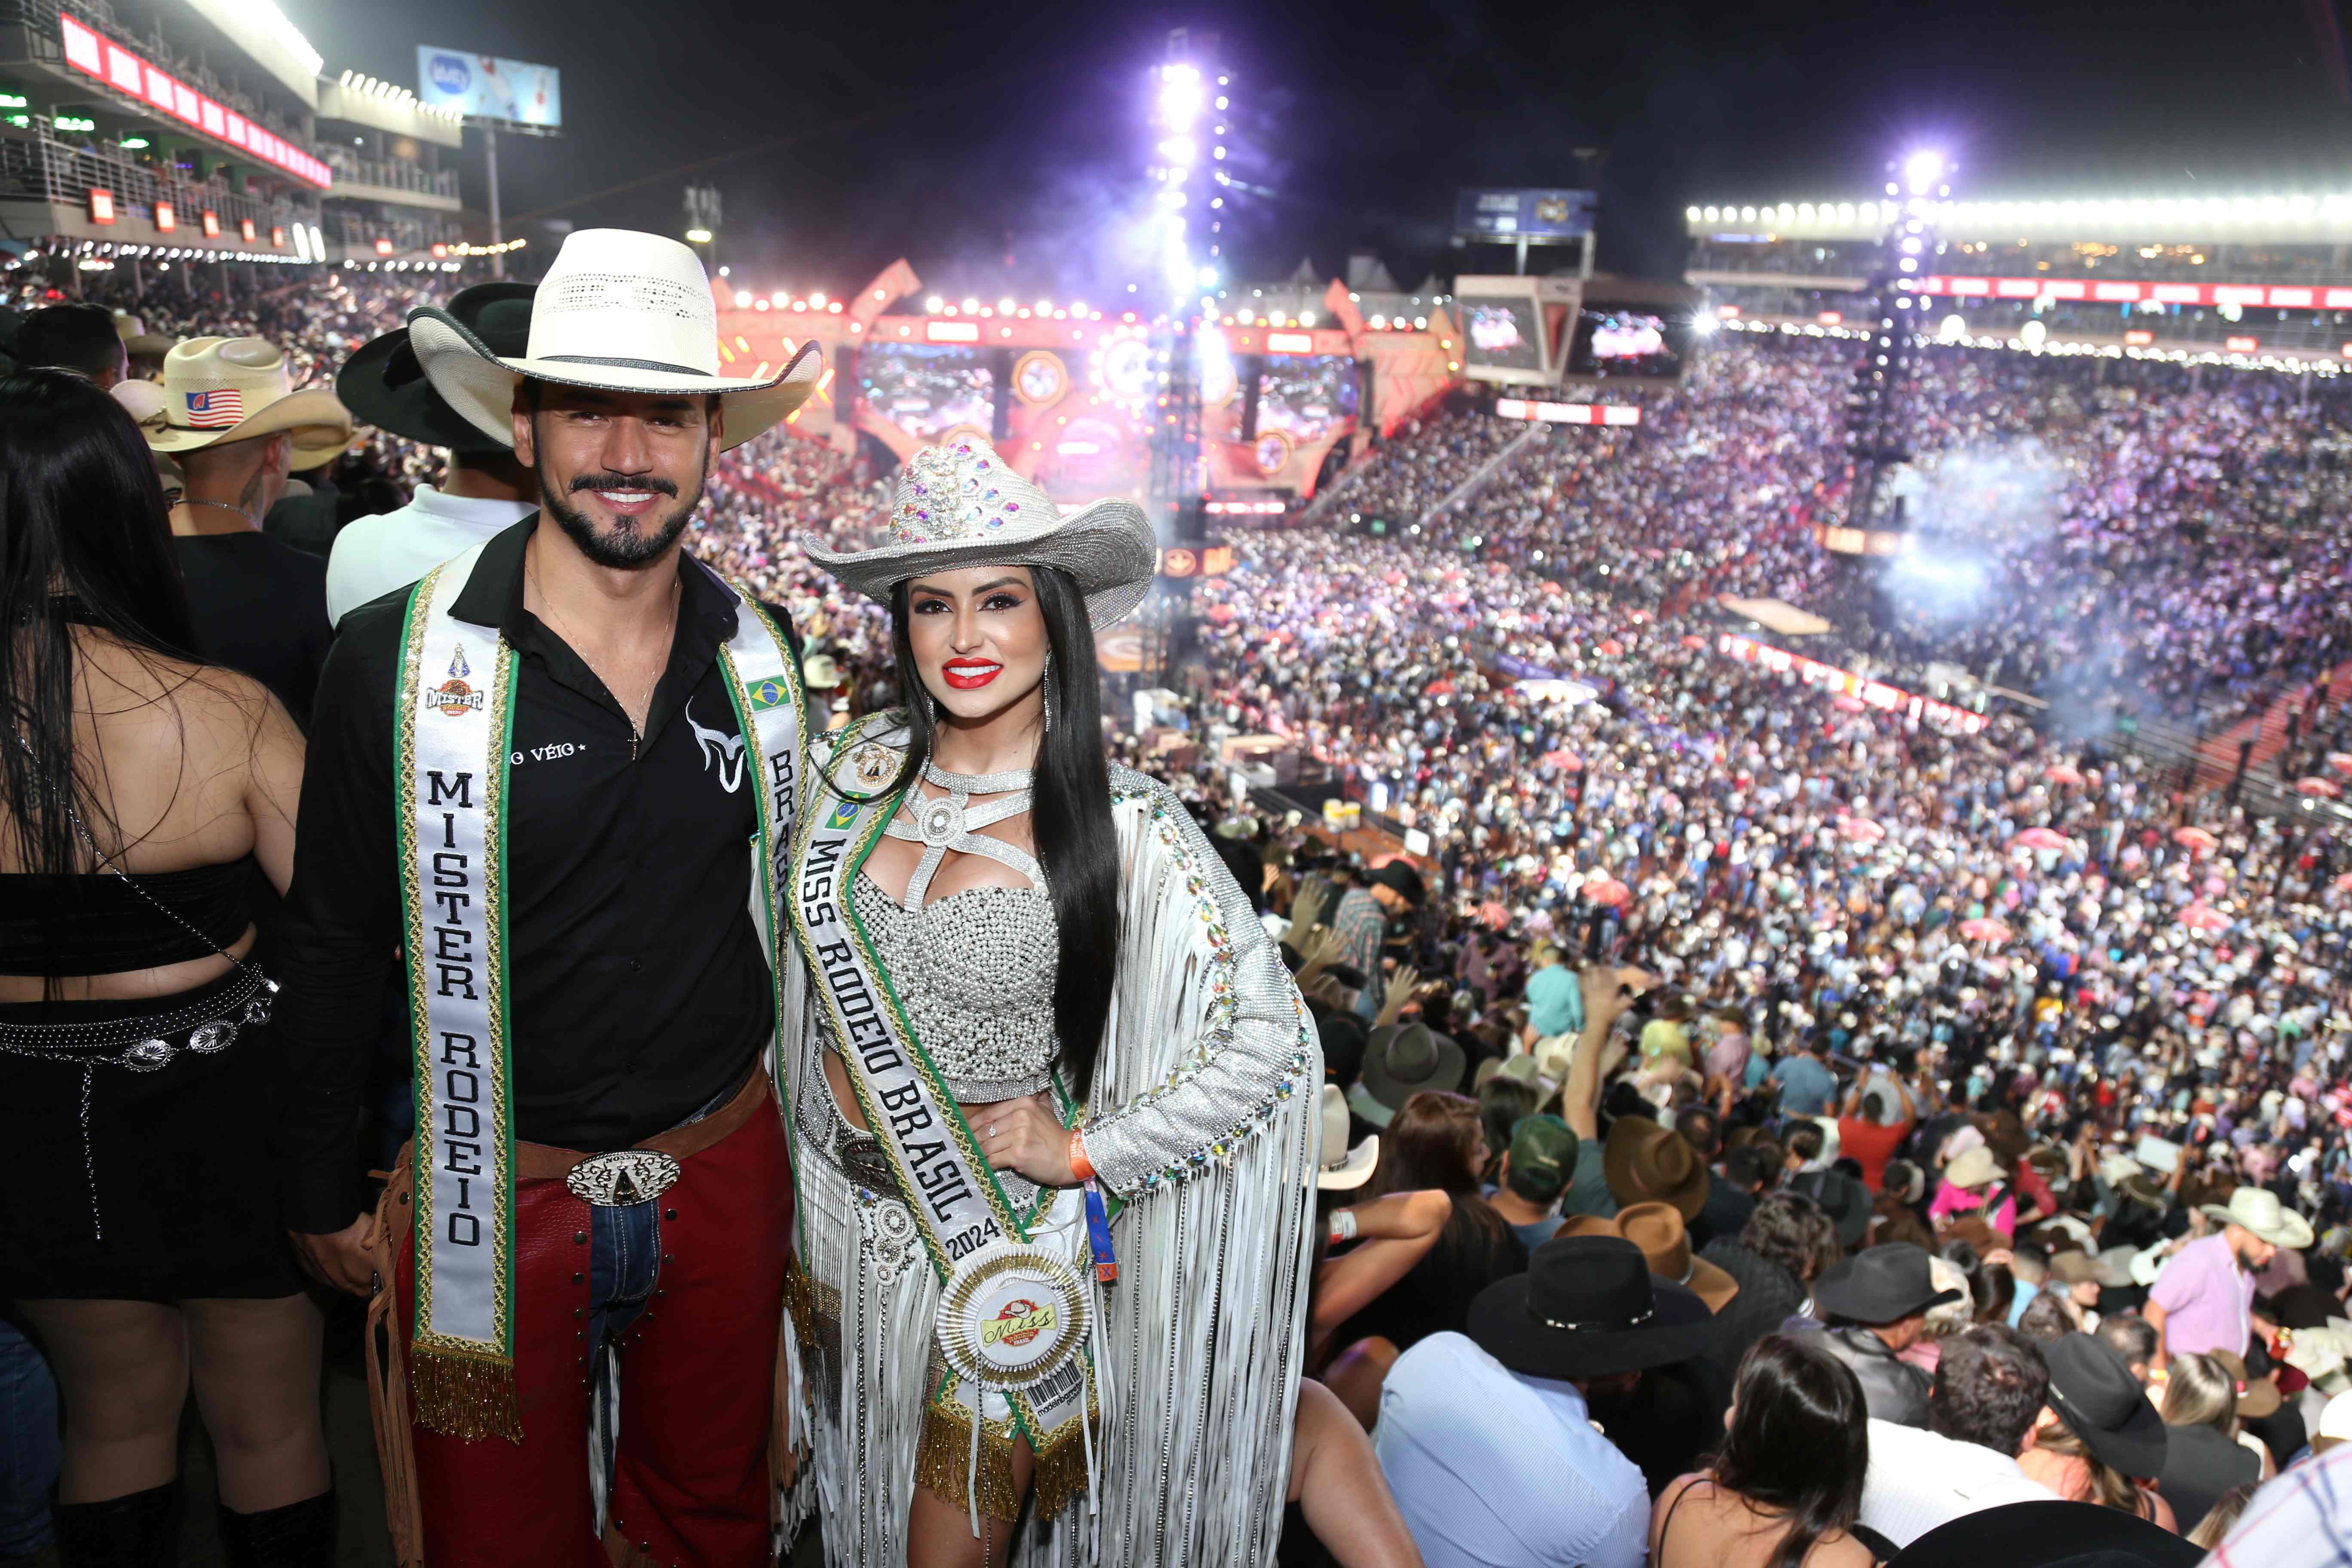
(1045, 717)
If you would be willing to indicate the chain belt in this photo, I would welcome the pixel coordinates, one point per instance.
(142, 1045)
(148, 1044)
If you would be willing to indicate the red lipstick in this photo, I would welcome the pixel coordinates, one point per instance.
(970, 674)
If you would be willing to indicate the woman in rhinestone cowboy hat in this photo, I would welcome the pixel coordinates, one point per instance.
(1051, 1086)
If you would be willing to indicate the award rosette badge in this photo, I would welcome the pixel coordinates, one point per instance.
(1011, 1317)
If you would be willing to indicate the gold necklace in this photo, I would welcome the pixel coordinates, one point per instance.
(563, 627)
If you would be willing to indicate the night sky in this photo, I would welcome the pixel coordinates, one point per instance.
(1006, 156)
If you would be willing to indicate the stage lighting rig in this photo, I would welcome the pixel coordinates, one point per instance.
(1878, 401)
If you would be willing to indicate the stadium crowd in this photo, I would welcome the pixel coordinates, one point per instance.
(1978, 1099)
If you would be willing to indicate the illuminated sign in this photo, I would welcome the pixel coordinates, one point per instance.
(102, 205)
(2138, 338)
(2241, 345)
(89, 53)
(1846, 683)
(278, 238)
(1208, 561)
(951, 332)
(1568, 412)
(1830, 317)
(212, 224)
(1290, 342)
(1840, 540)
(245, 230)
(166, 220)
(2276, 296)
(383, 247)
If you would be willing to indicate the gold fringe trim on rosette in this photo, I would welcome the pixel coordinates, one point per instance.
(463, 1394)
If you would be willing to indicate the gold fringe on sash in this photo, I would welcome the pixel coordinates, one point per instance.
(464, 1396)
(799, 1301)
(1061, 1473)
(944, 1455)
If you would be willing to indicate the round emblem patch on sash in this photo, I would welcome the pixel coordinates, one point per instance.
(1011, 1316)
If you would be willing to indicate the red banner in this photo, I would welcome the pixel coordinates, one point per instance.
(2128, 292)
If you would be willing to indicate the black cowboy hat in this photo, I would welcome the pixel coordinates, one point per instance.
(1401, 1060)
(2094, 1392)
(383, 384)
(1880, 1285)
(2047, 1535)
(1588, 1305)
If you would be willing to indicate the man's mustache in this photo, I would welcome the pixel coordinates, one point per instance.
(623, 482)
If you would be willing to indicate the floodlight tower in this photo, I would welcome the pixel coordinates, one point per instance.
(1188, 99)
(1878, 404)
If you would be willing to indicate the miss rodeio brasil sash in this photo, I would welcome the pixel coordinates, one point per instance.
(1014, 1309)
(452, 750)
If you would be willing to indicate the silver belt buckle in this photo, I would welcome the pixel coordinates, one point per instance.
(623, 1177)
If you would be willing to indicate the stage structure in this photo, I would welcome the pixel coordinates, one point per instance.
(1878, 403)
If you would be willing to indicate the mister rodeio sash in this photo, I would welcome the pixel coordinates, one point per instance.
(453, 730)
(1013, 1306)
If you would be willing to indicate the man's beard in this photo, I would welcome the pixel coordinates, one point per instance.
(633, 546)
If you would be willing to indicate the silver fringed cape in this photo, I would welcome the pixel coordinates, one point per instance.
(1202, 1118)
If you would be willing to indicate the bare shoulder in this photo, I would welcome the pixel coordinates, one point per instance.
(1839, 1550)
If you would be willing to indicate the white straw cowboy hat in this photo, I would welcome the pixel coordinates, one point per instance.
(239, 389)
(1975, 1168)
(2258, 1210)
(1343, 1169)
(960, 505)
(619, 311)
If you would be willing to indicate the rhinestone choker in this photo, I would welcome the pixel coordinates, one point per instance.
(979, 784)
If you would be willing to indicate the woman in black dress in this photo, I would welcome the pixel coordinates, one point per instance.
(140, 1241)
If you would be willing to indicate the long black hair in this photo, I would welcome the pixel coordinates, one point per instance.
(1069, 816)
(1798, 1444)
(85, 537)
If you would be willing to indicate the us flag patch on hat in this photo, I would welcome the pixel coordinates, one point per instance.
(217, 408)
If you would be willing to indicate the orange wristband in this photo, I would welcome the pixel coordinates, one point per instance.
(1079, 1166)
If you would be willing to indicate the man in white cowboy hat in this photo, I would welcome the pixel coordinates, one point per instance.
(2204, 1300)
(536, 772)
(230, 416)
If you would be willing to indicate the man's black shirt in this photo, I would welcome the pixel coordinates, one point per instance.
(638, 988)
(260, 608)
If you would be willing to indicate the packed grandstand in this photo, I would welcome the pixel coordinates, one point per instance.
(2103, 865)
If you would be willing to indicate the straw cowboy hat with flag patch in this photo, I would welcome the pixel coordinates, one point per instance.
(217, 390)
(618, 312)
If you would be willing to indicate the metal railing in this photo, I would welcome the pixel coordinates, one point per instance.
(356, 233)
(43, 168)
(392, 174)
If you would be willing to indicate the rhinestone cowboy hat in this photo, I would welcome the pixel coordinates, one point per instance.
(620, 311)
(239, 389)
(960, 504)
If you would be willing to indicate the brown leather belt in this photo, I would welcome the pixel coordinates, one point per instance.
(542, 1162)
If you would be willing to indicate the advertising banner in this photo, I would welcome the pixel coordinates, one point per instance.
(1524, 214)
(489, 87)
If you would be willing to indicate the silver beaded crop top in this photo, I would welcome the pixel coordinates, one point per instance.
(976, 970)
